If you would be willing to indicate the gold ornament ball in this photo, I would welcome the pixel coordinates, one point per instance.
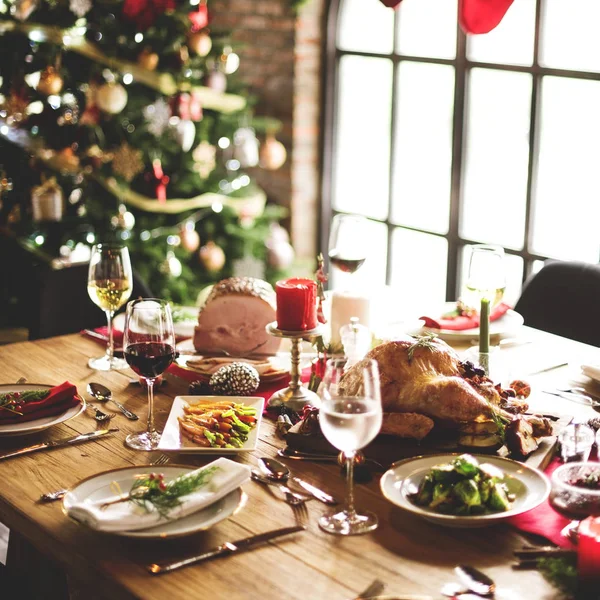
(50, 83)
(212, 257)
(148, 60)
(111, 98)
(272, 153)
(199, 43)
(190, 239)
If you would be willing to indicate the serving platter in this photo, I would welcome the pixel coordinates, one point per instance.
(530, 487)
(37, 425)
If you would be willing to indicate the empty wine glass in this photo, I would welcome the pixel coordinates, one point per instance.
(347, 247)
(486, 277)
(109, 286)
(149, 344)
(350, 423)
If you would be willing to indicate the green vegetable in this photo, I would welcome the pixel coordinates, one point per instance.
(444, 474)
(425, 493)
(467, 492)
(498, 499)
(441, 494)
(466, 465)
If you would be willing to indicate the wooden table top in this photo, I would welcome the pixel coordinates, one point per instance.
(410, 555)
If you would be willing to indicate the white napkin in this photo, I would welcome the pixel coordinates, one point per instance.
(127, 516)
(592, 371)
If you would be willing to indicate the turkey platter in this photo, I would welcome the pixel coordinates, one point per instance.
(427, 389)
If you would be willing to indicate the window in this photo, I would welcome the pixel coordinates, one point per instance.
(443, 140)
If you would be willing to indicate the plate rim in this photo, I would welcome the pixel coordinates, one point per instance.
(213, 451)
(491, 518)
(241, 501)
(30, 430)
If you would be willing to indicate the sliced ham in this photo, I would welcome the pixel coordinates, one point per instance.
(234, 318)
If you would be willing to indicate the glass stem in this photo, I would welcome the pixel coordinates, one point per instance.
(110, 348)
(350, 485)
(150, 427)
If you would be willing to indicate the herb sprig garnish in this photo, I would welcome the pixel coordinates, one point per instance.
(150, 490)
(13, 401)
(422, 341)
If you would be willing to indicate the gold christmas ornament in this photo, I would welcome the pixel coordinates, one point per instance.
(127, 162)
(50, 83)
(111, 98)
(204, 159)
(212, 257)
(272, 153)
(199, 43)
(65, 160)
(148, 59)
(47, 201)
(190, 239)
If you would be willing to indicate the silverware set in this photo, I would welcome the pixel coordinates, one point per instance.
(576, 394)
(473, 584)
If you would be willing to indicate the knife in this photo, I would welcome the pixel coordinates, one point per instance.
(225, 549)
(84, 437)
(315, 491)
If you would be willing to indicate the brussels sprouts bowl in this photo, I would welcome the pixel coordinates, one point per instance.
(464, 491)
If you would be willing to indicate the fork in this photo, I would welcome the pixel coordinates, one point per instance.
(163, 459)
(292, 498)
(300, 513)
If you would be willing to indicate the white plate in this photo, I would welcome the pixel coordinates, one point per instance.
(173, 440)
(507, 324)
(37, 424)
(101, 486)
(530, 486)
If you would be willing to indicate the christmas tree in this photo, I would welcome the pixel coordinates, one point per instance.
(123, 119)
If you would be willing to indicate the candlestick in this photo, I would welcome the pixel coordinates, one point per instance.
(296, 304)
(295, 396)
(588, 558)
(344, 306)
(484, 335)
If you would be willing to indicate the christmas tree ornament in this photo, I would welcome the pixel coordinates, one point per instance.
(127, 162)
(245, 147)
(280, 255)
(212, 257)
(235, 379)
(230, 60)
(199, 18)
(199, 43)
(171, 266)
(187, 106)
(184, 54)
(185, 134)
(148, 59)
(111, 98)
(123, 219)
(158, 180)
(69, 111)
(272, 153)
(65, 160)
(22, 9)
(157, 117)
(80, 8)
(143, 13)
(14, 107)
(190, 238)
(50, 83)
(217, 81)
(204, 159)
(47, 201)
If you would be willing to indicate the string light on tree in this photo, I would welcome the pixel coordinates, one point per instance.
(171, 266)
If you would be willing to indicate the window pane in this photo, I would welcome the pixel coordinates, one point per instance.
(570, 35)
(366, 29)
(372, 273)
(420, 34)
(497, 155)
(423, 155)
(511, 42)
(419, 263)
(362, 146)
(567, 210)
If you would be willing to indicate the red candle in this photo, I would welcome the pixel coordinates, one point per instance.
(588, 554)
(296, 304)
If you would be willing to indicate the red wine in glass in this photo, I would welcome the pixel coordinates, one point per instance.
(346, 265)
(149, 359)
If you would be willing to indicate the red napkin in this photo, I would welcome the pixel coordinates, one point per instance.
(61, 398)
(461, 322)
(544, 520)
(481, 16)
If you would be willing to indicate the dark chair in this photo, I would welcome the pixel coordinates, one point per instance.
(564, 298)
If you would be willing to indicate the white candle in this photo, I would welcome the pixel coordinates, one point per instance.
(344, 306)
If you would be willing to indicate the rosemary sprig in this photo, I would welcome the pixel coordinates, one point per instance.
(12, 401)
(150, 491)
(560, 572)
(423, 341)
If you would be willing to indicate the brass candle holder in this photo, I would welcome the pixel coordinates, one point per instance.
(295, 396)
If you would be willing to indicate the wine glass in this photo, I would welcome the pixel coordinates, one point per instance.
(109, 286)
(350, 423)
(486, 278)
(347, 248)
(149, 344)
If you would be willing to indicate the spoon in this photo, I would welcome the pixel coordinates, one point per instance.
(475, 580)
(290, 497)
(98, 414)
(103, 394)
(578, 390)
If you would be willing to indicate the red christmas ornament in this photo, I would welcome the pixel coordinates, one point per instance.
(158, 180)
(199, 18)
(188, 106)
(481, 16)
(145, 12)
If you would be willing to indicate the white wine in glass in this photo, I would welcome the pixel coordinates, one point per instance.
(109, 286)
(486, 276)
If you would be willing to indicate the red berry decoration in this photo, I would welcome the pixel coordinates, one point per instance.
(522, 388)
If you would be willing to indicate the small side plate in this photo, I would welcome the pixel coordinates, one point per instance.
(172, 439)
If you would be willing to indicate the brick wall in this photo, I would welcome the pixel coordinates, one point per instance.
(280, 62)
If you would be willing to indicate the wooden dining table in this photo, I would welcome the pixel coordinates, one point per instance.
(410, 555)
